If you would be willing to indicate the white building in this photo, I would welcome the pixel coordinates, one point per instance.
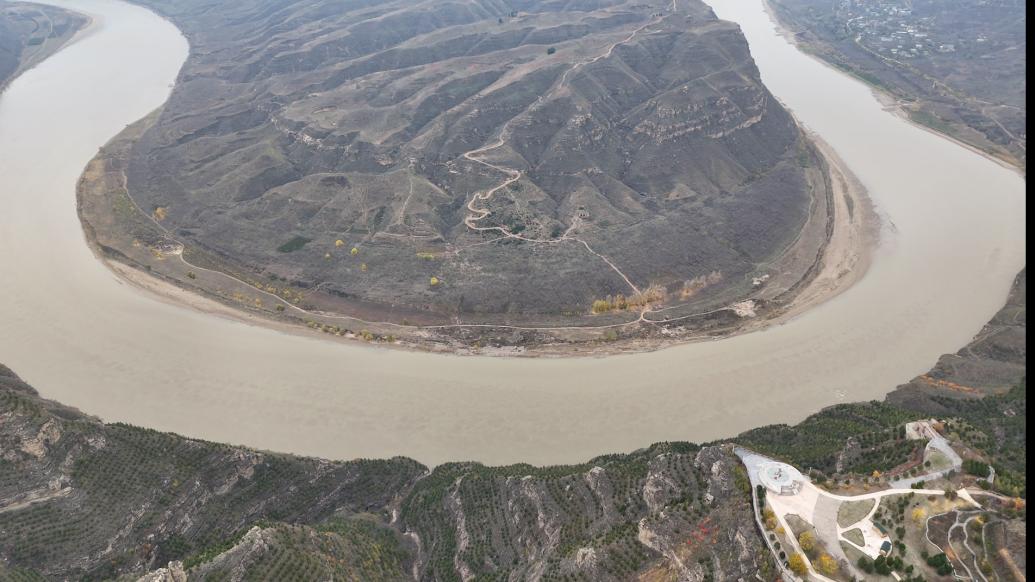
(780, 478)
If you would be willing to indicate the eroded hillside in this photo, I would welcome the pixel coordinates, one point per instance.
(992, 363)
(80, 499)
(84, 499)
(476, 158)
(30, 33)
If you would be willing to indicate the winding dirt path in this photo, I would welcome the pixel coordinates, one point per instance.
(513, 174)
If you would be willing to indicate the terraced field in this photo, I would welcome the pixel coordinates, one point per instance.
(80, 499)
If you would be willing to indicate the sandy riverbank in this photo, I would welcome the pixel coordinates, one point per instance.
(845, 255)
(850, 247)
(893, 105)
(85, 25)
(217, 287)
(87, 339)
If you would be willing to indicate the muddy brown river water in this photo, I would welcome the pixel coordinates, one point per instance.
(952, 240)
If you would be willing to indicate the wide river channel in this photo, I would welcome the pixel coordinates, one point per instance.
(952, 240)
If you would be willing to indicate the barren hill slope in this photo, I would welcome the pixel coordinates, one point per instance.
(482, 157)
(81, 499)
(30, 33)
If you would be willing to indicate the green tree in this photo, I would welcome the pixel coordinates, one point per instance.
(865, 564)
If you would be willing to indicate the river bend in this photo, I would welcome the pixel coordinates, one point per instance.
(953, 240)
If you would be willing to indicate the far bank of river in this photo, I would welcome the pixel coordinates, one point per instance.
(952, 243)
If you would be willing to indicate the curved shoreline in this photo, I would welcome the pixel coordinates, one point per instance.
(84, 337)
(892, 103)
(81, 31)
(844, 260)
(844, 257)
(619, 332)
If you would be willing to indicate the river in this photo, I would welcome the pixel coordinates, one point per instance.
(953, 240)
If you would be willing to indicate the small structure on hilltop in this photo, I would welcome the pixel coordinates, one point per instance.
(781, 478)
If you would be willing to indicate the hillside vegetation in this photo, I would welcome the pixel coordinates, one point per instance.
(500, 161)
(958, 68)
(30, 33)
(81, 499)
(86, 500)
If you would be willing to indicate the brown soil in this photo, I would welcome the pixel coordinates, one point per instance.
(833, 253)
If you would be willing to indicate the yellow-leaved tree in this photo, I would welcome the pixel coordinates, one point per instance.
(807, 541)
(918, 514)
(797, 564)
(770, 518)
(826, 565)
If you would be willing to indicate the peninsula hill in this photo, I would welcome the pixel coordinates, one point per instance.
(30, 33)
(528, 162)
